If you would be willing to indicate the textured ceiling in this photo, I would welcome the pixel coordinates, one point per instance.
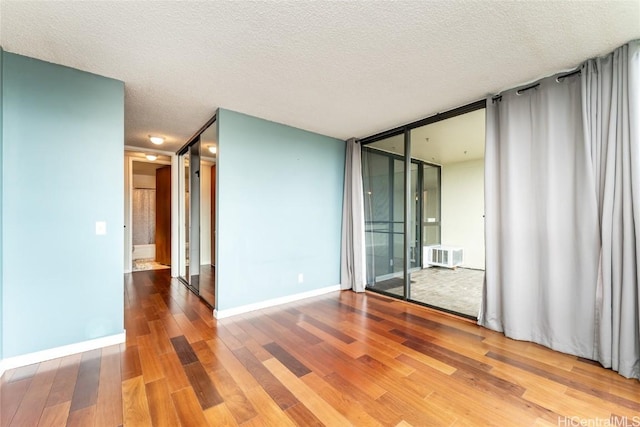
(338, 68)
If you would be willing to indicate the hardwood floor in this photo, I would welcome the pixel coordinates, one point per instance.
(208, 284)
(339, 359)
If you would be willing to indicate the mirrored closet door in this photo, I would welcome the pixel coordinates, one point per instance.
(197, 160)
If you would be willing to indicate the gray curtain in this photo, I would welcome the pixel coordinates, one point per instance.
(562, 200)
(611, 113)
(352, 270)
(541, 225)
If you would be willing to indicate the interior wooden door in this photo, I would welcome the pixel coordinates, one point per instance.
(163, 215)
(213, 215)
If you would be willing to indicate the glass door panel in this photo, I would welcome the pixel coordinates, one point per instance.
(377, 187)
(450, 153)
(383, 176)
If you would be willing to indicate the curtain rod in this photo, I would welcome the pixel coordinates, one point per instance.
(519, 91)
(559, 78)
(498, 98)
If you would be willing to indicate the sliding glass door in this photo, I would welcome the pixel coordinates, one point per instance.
(414, 250)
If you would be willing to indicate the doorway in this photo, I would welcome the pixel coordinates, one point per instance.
(147, 212)
(424, 211)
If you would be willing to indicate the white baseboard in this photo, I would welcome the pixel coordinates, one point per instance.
(65, 350)
(221, 314)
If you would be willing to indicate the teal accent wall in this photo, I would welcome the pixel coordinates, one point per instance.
(63, 148)
(279, 210)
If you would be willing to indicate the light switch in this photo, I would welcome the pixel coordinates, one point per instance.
(101, 228)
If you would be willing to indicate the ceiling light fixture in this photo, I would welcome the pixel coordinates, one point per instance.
(156, 139)
(151, 157)
(213, 149)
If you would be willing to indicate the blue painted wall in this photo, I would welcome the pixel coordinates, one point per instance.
(279, 210)
(63, 162)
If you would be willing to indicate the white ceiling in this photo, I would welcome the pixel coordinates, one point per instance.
(337, 68)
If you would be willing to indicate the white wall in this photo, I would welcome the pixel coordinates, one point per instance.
(144, 181)
(463, 209)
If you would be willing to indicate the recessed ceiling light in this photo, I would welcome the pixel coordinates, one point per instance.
(156, 139)
(213, 149)
(151, 157)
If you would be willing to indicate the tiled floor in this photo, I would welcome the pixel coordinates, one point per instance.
(458, 290)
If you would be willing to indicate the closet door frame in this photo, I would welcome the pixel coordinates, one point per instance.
(191, 150)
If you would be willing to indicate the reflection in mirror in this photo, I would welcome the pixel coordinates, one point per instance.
(197, 213)
(208, 156)
(194, 216)
(184, 216)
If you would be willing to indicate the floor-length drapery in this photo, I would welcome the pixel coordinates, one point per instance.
(611, 114)
(352, 270)
(541, 219)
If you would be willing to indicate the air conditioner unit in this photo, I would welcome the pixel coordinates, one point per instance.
(442, 256)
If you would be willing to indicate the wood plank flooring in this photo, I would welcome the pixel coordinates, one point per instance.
(335, 360)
